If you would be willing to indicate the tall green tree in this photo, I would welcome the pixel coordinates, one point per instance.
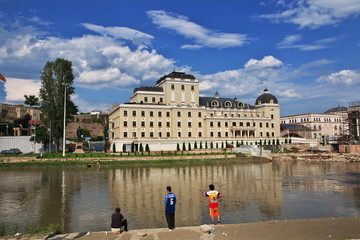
(55, 77)
(31, 100)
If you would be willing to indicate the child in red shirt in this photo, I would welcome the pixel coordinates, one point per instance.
(213, 196)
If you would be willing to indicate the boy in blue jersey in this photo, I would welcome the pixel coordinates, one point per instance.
(170, 201)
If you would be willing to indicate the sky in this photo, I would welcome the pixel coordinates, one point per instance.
(306, 52)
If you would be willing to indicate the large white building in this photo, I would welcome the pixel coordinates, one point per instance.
(172, 112)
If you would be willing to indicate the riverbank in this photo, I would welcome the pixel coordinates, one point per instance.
(317, 157)
(326, 228)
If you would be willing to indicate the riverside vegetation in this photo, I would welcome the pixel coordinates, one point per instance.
(27, 228)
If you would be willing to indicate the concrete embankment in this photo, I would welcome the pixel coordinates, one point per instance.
(317, 157)
(327, 228)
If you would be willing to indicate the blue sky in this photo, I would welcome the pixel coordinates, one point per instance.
(305, 52)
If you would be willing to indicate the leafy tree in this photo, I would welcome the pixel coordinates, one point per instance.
(217, 145)
(260, 142)
(195, 145)
(124, 148)
(31, 100)
(141, 149)
(206, 146)
(55, 77)
(114, 148)
(85, 132)
(132, 147)
(177, 147)
(147, 148)
(184, 147)
(222, 144)
(189, 147)
(200, 144)
(10, 128)
(211, 145)
(41, 135)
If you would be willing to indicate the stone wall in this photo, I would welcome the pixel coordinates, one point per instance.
(349, 148)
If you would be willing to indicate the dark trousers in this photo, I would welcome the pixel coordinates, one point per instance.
(170, 218)
(124, 223)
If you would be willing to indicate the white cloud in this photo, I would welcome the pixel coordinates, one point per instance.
(348, 77)
(267, 61)
(16, 88)
(290, 42)
(202, 36)
(316, 13)
(137, 37)
(39, 21)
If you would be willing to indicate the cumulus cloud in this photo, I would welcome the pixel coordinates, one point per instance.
(316, 13)
(290, 41)
(203, 37)
(267, 61)
(135, 36)
(348, 77)
(16, 88)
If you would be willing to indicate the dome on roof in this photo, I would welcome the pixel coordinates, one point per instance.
(266, 97)
(336, 109)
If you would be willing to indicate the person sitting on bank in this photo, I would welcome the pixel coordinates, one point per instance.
(117, 221)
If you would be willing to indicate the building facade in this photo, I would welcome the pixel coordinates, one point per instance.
(330, 125)
(172, 112)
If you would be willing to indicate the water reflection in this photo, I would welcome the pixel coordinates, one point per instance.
(83, 199)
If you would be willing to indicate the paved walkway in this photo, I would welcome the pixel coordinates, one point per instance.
(311, 229)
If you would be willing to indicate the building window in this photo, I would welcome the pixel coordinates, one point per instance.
(254, 124)
(192, 88)
(248, 124)
(151, 124)
(226, 134)
(134, 123)
(179, 124)
(167, 114)
(153, 99)
(189, 134)
(125, 134)
(272, 116)
(145, 99)
(211, 124)
(125, 123)
(142, 134)
(159, 124)
(125, 113)
(134, 134)
(189, 114)
(219, 134)
(267, 125)
(151, 134)
(168, 134)
(234, 124)
(241, 124)
(161, 99)
(159, 114)
(151, 113)
(179, 134)
(143, 113)
(189, 124)
(172, 87)
(200, 134)
(226, 124)
(182, 87)
(199, 114)
(134, 113)
(272, 125)
(267, 134)
(219, 124)
(211, 134)
(199, 124)
(261, 134)
(143, 124)
(179, 114)
(168, 124)
(261, 124)
(273, 134)
(160, 134)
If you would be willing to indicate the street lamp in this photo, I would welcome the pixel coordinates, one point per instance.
(64, 140)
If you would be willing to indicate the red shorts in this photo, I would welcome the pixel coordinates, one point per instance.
(214, 212)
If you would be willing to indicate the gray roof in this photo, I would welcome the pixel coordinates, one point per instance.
(266, 97)
(336, 109)
(206, 101)
(149, 89)
(294, 127)
(174, 74)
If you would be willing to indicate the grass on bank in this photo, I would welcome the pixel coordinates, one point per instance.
(28, 228)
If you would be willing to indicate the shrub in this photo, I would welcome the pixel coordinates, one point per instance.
(124, 148)
(114, 148)
(189, 147)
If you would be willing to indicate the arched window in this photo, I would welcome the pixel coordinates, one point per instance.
(214, 103)
(227, 104)
(240, 104)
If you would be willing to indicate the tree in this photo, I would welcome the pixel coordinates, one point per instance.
(31, 100)
(55, 77)
(147, 148)
(184, 147)
(200, 144)
(177, 147)
(41, 135)
(85, 132)
(195, 145)
(189, 147)
(141, 149)
(124, 148)
(114, 148)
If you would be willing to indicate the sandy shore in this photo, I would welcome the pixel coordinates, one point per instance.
(327, 228)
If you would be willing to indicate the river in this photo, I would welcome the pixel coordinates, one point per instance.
(83, 199)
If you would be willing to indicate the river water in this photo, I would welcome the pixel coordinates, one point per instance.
(83, 199)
